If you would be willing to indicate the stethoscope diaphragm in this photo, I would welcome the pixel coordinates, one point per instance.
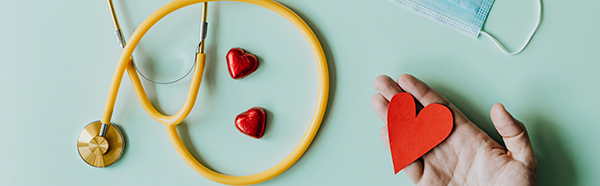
(100, 150)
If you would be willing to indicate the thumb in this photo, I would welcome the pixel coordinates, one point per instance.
(514, 134)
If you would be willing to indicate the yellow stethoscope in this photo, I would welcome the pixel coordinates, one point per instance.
(101, 143)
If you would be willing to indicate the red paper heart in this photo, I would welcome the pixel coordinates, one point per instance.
(252, 122)
(412, 135)
(240, 63)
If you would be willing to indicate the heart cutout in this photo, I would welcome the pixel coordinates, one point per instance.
(240, 63)
(252, 122)
(412, 135)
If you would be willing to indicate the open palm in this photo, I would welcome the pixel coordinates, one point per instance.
(468, 156)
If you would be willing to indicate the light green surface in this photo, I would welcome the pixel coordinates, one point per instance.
(58, 59)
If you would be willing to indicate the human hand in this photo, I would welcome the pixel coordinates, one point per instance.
(468, 156)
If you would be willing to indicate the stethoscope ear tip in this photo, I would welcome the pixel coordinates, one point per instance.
(100, 145)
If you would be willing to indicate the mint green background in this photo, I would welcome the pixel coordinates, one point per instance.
(57, 60)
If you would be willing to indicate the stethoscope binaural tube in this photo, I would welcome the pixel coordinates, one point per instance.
(170, 122)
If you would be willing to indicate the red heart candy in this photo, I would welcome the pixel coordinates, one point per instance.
(240, 63)
(412, 135)
(252, 122)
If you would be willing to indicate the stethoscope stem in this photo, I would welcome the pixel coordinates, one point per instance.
(118, 32)
(203, 28)
(113, 15)
(103, 129)
(120, 38)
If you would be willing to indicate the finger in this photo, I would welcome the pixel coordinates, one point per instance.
(385, 137)
(380, 106)
(426, 95)
(514, 134)
(414, 171)
(421, 91)
(386, 86)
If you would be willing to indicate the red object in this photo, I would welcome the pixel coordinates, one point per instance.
(240, 63)
(252, 122)
(412, 135)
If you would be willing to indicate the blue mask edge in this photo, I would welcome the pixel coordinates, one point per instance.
(478, 21)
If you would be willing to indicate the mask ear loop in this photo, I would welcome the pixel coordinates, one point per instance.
(503, 49)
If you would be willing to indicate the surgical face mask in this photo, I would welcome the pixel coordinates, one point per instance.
(466, 16)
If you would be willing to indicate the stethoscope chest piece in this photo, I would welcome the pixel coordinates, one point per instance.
(100, 145)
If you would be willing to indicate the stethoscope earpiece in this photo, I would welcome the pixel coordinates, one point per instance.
(97, 149)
